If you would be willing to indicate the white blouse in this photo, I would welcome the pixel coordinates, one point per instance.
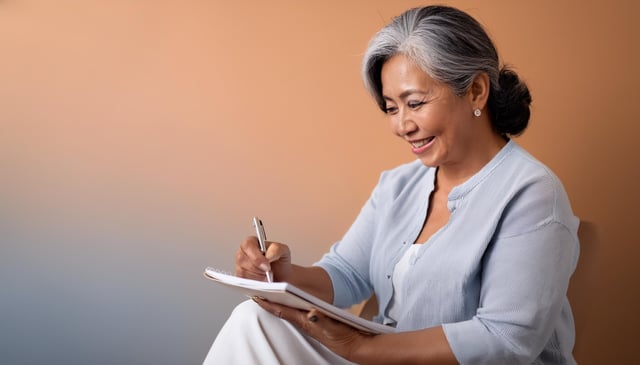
(399, 273)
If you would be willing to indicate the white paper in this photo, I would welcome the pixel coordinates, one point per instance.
(287, 294)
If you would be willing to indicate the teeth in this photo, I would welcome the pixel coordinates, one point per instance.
(420, 143)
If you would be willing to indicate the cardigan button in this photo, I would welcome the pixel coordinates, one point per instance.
(452, 205)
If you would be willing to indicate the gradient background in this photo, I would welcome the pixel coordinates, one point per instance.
(138, 138)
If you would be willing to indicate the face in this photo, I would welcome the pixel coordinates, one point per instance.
(427, 114)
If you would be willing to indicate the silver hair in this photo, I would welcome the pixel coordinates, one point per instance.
(446, 43)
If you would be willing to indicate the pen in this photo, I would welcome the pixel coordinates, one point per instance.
(262, 242)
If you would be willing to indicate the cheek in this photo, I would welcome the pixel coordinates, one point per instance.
(433, 120)
(450, 120)
(459, 131)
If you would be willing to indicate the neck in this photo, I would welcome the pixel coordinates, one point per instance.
(451, 175)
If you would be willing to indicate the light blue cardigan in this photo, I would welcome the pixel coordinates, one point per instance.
(495, 276)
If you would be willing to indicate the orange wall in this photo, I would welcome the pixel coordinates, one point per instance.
(138, 138)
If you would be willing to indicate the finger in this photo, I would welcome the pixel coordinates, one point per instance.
(296, 316)
(314, 316)
(249, 260)
(323, 327)
(245, 268)
(251, 249)
(319, 325)
(277, 252)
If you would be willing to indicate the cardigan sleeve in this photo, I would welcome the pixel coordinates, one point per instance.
(523, 294)
(348, 260)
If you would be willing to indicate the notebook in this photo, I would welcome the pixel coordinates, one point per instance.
(287, 294)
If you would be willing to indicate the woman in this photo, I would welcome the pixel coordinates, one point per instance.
(469, 249)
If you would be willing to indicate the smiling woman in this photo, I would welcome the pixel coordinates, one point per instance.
(469, 249)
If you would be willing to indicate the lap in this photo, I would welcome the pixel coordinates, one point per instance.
(252, 335)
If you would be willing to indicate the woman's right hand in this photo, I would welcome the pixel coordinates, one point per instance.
(252, 264)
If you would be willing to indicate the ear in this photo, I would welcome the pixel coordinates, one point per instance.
(478, 92)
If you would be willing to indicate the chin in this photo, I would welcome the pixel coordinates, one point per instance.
(428, 162)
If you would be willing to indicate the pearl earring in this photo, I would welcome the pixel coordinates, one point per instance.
(477, 112)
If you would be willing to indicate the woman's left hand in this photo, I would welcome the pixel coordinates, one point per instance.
(338, 337)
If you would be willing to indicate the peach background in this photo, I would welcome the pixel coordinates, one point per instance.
(138, 138)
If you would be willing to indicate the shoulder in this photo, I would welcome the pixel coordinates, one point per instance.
(404, 177)
(514, 169)
(525, 172)
(534, 195)
(401, 185)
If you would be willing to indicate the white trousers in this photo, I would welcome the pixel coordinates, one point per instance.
(252, 335)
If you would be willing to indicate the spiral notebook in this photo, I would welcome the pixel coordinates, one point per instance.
(287, 294)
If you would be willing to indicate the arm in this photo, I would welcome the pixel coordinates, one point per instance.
(524, 288)
(428, 346)
(313, 280)
(523, 296)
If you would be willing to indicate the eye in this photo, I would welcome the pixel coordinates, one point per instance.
(390, 109)
(416, 104)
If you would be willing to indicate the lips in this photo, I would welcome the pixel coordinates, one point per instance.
(422, 142)
(421, 145)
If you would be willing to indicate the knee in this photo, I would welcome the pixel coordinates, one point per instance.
(249, 312)
(247, 308)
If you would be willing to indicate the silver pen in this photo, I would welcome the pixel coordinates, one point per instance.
(262, 242)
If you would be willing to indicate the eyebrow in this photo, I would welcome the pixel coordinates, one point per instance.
(405, 94)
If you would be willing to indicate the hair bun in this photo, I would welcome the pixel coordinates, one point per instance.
(509, 103)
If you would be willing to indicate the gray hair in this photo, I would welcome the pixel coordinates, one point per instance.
(451, 47)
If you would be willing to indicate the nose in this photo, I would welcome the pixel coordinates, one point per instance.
(404, 124)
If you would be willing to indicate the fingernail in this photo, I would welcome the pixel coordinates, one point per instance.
(265, 267)
(313, 318)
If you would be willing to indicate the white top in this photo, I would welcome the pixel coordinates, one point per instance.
(399, 273)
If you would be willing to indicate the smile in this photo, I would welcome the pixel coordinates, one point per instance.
(421, 145)
(422, 142)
